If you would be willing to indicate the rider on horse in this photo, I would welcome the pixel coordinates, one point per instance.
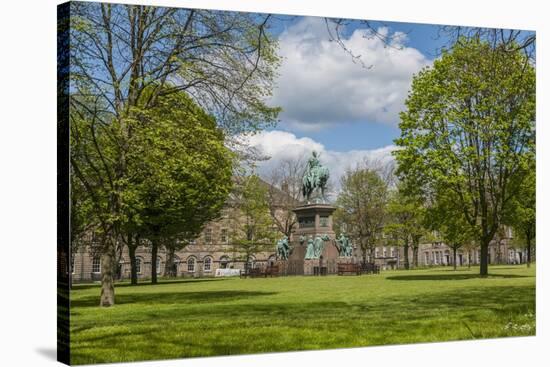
(315, 177)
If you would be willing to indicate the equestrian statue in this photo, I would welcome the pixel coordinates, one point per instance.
(315, 178)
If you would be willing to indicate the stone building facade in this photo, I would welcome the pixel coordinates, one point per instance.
(208, 252)
(212, 250)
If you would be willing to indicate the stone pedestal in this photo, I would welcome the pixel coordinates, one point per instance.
(313, 220)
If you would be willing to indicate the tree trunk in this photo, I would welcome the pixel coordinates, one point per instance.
(133, 266)
(154, 252)
(469, 259)
(406, 254)
(415, 256)
(454, 258)
(107, 298)
(70, 267)
(364, 254)
(528, 251)
(169, 265)
(484, 259)
(485, 238)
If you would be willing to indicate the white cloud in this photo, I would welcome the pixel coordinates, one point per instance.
(319, 85)
(282, 145)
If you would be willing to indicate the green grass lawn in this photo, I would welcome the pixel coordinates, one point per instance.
(208, 317)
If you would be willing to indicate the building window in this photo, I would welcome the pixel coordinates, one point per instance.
(72, 263)
(223, 236)
(272, 260)
(208, 235)
(138, 265)
(96, 265)
(384, 252)
(191, 265)
(427, 258)
(158, 265)
(224, 262)
(250, 264)
(207, 264)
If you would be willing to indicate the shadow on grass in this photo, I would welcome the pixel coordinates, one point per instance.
(170, 297)
(83, 286)
(511, 267)
(452, 276)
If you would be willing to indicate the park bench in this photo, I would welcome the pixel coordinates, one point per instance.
(272, 270)
(349, 268)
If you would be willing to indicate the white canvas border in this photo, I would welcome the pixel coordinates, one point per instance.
(28, 184)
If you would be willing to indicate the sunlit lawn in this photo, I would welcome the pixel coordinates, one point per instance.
(207, 317)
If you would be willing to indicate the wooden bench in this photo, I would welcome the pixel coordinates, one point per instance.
(272, 270)
(349, 268)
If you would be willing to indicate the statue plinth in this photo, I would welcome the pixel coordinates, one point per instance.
(314, 220)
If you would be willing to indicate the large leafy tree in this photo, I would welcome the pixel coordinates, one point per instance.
(469, 128)
(180, 171)
(362, 207)
(252, 227)
(124, 59)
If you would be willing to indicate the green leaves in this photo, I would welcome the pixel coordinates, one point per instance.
(406, 217)
(180, 168)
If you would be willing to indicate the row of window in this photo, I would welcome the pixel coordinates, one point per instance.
(440, 257)
(384, 252)
(207, 264)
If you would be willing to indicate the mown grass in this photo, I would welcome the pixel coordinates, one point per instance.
(208, 317)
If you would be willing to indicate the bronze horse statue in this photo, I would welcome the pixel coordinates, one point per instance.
(315, 177)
